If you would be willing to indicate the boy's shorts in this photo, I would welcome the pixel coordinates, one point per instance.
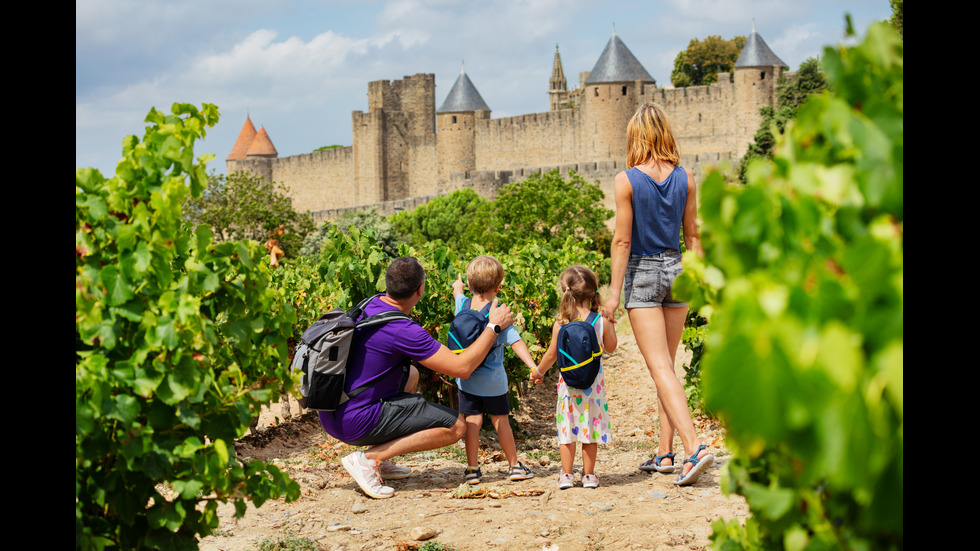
(406, 414)
(471, 404)
(650, 280)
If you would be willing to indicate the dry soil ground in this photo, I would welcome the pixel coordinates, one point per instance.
(630, 509)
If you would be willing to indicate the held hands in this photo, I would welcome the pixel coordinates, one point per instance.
(609, 310)
(499, 314)
(536, 377)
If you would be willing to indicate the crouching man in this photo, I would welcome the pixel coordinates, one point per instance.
(387, 417)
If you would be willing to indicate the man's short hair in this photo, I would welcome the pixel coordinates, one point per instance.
(404, 276)
(484, 273)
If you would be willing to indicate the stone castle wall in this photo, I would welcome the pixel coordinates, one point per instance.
(398, 153)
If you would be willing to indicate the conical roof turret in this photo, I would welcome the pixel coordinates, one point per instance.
(617, 64)
(262, 146)
(557, 72)
(463, 96)
(240, 150)
(756, 53)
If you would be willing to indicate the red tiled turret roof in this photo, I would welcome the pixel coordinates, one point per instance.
(245, 137)
(261, 146)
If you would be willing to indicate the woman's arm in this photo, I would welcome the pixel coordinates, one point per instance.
(620, 250)
(692, 236)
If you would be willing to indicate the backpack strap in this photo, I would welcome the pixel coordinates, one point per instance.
(378, 319)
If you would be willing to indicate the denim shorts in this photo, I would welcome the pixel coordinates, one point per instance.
(650, 280)
(406, 414)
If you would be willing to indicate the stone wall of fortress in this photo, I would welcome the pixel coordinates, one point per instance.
(399, 158)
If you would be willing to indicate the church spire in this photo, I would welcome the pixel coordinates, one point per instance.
(557, 85)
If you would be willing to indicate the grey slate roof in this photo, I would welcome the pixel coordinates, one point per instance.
(617, 64)
(756, 53)
(463, 97)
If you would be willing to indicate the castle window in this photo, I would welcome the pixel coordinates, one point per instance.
(624, 90)
(454, 119)
(762, 75)
(596, 91)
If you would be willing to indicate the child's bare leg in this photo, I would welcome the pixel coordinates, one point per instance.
(505, 436)
(589, 452)
(567, 457)
(473, 423)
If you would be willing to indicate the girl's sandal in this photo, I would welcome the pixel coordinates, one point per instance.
(700, 465)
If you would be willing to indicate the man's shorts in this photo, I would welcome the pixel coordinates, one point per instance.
(650, 280)
(471, 404)
(407, 414)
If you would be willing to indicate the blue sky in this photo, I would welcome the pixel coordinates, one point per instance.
(299, 67)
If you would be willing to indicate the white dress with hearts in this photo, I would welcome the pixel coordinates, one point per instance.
(582, 415)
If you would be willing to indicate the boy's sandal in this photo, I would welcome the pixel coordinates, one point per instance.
(473, 475)
(654, 464)
(520, 472)
(700, 465)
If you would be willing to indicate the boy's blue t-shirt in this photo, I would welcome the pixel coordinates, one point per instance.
(489, 379)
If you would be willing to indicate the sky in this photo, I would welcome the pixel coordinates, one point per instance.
(300, 67)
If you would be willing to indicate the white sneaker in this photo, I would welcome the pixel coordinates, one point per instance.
(365, 472)
(590, 481)
(566, 481)
(390, 471)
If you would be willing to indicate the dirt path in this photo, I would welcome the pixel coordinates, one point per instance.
(630, 509)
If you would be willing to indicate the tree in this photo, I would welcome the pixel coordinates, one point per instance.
(803, 283)
(543, 207)
(176, 338)
(364, 219)
(896, 20)
(701, 62)
(790, 94)
(245, 206)
(444, 218)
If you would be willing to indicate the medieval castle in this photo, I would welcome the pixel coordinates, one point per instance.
(405, 150)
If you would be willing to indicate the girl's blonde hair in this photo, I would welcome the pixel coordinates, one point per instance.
(649, 137)
(578, 284)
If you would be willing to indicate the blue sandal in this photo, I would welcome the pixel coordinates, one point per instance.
(700, 465)
(654, 464)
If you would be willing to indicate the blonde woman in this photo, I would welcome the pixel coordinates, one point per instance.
(655, 199)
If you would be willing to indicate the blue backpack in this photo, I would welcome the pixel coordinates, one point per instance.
(579, 353)
(467, 326)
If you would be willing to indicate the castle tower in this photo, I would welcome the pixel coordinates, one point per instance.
(557, 85)
(456, 123)
(612, 94)
(253, 152)
(756, 72)
(240, 150)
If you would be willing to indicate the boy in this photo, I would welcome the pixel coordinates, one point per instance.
(486, 389)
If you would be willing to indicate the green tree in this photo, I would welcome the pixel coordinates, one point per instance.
(790, 94)
(896, 20)
(701, 62)
(364, 219)
(803, 281)
(444, 218)
(245, 206)
(176, 340)
(544, 207)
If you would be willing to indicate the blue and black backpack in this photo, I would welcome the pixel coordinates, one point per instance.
(579, 353)
(467, 326)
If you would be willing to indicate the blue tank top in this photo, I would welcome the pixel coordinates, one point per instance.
(658, 211)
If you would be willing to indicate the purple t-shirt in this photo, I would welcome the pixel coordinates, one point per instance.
(375, 351)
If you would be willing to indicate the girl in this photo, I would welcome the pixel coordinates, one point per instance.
(582, 415)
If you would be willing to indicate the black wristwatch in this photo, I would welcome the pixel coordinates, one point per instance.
(495, 327)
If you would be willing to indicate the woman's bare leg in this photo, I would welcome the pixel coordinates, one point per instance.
(650, 329)
(674, 333)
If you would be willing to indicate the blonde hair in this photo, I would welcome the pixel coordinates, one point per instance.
(484, 273)
(649, 137)
(578, 284)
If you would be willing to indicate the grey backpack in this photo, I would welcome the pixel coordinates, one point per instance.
(322, 355)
